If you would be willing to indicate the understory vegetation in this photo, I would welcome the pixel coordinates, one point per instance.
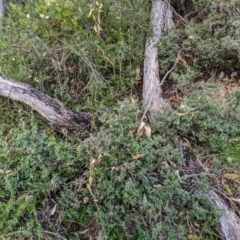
(124, 179)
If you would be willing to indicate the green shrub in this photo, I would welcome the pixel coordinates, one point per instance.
(143, 198)
(210, 42)
(45, 179)
(129, 186)
(40, 174)
(52, 45)
(204, 120)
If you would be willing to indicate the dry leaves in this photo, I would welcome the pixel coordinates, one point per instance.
(7, 172)
(148, 131)
(193, 237)
(138, 156)
(90, 179)
(235, 200)
(53, 210)
(144, 129)
(132, 99)
(231, 176)
(138, 75)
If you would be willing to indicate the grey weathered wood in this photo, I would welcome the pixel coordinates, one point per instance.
(1, 8)
(160, 20)
(229, 224)
(53, 110)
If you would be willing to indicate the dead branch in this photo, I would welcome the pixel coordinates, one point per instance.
(53, 110)
(229, 224)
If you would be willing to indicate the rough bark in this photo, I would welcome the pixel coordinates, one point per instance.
(160, 20)
(1, 8)
(53, 110)
(229, 224)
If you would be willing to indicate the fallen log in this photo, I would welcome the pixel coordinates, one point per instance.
(51, 109)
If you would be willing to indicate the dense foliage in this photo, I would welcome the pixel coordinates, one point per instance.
(121, 182)
(53, 45)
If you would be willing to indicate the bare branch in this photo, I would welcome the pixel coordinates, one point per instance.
(53, 110)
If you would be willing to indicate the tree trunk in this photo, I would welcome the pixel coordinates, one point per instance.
(1, 8)
(160, 21)
(53, 110)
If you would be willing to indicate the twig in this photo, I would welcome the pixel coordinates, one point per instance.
(184, 20)
(196, 174)
(162, 82)
(13, 233)
(44, 231)
(169, 71)
(54, 234)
